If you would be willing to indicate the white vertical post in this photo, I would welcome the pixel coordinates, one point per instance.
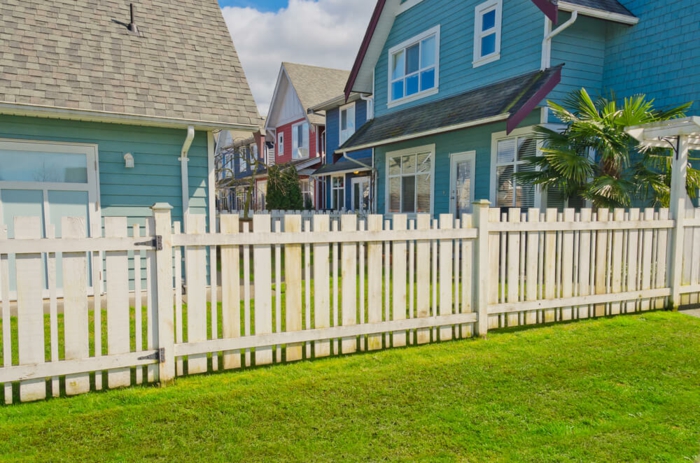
(679, 196)
(164, 336)
(480, 271)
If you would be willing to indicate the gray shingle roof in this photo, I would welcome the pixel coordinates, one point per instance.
(612, 6)
(79, 54)
(344, 165)
(314, 85)
(505, 97)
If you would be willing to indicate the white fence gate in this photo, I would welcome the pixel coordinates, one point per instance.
(308, 287)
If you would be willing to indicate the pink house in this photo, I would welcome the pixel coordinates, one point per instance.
(297, 133)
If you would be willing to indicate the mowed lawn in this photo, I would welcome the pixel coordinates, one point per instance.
(618, 389)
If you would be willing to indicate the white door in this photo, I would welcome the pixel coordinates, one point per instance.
(462, 183)
(49, 181)
(360, 194)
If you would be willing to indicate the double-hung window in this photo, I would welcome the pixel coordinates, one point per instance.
(487, 32)
(410, 180)
(414, 67)
(300, 141)
(338, 192)
(510, 154)
(347, 122)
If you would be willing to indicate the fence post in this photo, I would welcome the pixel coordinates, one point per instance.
(480, 271)
(679, 202)
(165, 333)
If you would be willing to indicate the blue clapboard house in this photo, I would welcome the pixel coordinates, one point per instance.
(457, 87)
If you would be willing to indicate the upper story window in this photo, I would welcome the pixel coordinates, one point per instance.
(347, 122)
(243, 159)
(300, 140)
(414, 68)
(280, 144)
(487, 32)
(509, 155)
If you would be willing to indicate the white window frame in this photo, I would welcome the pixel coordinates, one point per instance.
(404, 45)
(305, 135)
(525, 132)
(405, 152)
(280, 144)
(345, 134)
(92, 187)
(333, 188)
(479, 12)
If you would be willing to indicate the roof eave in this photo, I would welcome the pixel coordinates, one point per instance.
(335, 102)
(50, 112)
(599, 14)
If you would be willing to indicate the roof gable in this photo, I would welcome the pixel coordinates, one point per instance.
(79, 56)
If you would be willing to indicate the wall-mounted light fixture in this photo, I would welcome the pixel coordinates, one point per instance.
(128, 161)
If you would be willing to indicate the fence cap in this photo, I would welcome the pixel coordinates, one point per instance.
(161, 207)
(482, 202)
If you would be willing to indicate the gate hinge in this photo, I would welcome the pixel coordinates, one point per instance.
(156, 242)
(157, 355)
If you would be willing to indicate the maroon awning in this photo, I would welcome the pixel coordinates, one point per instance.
(520, 115)
(549, 8)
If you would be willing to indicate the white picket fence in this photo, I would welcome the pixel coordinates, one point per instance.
(309, 287)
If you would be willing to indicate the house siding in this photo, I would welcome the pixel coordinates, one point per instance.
(659, 56)
(286, 129)
(476, 139)
(581, 48)
(128, 192)
(522, 30)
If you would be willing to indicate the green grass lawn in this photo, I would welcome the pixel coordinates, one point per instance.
(619, 389)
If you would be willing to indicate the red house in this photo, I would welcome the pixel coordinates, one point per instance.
(299, 135)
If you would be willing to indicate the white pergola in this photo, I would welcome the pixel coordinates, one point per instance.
(682, 136)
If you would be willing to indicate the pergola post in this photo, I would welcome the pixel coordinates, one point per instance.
(679, 203)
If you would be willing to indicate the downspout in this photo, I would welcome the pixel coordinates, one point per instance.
(547, 41)
(185, 175)
(370, 105)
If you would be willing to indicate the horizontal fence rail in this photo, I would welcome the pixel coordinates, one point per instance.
(150, 302)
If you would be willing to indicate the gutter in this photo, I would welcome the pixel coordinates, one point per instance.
(594, 13)
(389, 141)
(51, 112)
(185, 175)
(547, 40)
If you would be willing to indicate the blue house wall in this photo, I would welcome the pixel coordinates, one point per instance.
(333, 143)
(522, 26)
(126, 192)
(659, 56)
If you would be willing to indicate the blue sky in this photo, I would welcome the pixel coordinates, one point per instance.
(260, 5)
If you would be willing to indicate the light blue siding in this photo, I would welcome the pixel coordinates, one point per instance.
(474, 139)
(522, 29)
(128, 192)
(659, 56)
(581, 48)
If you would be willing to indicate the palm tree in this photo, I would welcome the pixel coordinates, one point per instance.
(595, 159)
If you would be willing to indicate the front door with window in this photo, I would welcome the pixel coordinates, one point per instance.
(360, 194)
(462, 183)
(49, 181)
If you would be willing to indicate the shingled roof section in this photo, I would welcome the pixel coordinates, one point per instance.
(314, 85)
(504, 98)
(79, 55)
(611, 6)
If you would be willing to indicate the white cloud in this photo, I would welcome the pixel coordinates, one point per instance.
(321, 33)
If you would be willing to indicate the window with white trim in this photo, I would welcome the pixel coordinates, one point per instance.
(300, 141)
(347, 122)
(414, 67)
(510, 155)
(243, 158)
(487, 32)
(338, 192)
(307, 192)
(409, 181)
(280, 144)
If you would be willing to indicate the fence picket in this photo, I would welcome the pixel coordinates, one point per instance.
(349, 286)
(646, 263)
(138, 306)
(196, 264)
(262, 255)
(118, 339)
(584, 264)
(292, 275)
(52, 275)
(230, 291)
(445, 276)
(512, 259)
(467, 274)
(661, 279)
(567, 273)
(531, 276)
(322, 301)
(374, 282)
(617, 247)
(247, 317)
(494, 266)
(601, 262)
(633, 258)
(550, 265)
(6, 324)
(179, 320)
(399, 280)
(75, 304)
